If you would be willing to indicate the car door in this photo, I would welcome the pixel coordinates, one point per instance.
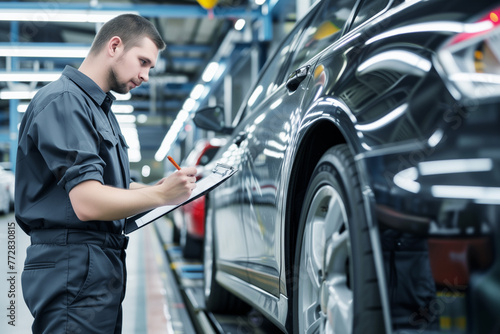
(235, 200)
(270, 126)
(250, 196)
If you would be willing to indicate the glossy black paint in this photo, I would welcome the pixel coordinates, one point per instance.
(378, 86)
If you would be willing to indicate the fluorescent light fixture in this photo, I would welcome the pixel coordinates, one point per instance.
(142, 118)
(169, 139)
(220, 71)
(188, 105)
(122, 97)
(260, 2)
(210, 71)
(126, 119)
(17, 95)
(146, 171)
(239, 24)
(197, 91)
(29, 76)
(171, 135)
(21, 107)
(59, 15)
(182, 116)
(44, 51)
(129, 131)
(118, 108)
(122, 108)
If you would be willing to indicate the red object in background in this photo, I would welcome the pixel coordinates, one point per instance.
(189, 219)
(194, 217)
(453, 260)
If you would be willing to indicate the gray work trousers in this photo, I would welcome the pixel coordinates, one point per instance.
(74, 281)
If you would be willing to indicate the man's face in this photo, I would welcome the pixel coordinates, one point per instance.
(132, 67)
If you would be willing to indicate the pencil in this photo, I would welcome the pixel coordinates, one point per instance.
(173, 162)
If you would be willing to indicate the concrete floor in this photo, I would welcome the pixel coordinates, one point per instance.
(152, 304)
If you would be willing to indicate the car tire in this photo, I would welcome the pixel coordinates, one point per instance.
(335, 283)
(217, 299)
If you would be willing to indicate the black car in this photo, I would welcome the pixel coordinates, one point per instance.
(367, 197)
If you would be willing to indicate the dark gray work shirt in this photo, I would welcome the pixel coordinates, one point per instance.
(68, 135)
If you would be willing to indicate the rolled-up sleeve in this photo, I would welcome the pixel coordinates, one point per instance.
(68, 141)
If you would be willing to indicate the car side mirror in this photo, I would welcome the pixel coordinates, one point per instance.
(212, 119)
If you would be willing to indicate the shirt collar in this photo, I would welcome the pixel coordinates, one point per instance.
(90, 88)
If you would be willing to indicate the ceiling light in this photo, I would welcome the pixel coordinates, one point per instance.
(126, 119)
(171, 135)
(189, 105)
(49, 51)
(6, 94)
(122, 108)
(122, 97)
(146, 171)
(58, 15)
(197, 91)
(21, 107)
(240, 24)
(210, 71)
(142, 118)
(129, 131)
(27, 76)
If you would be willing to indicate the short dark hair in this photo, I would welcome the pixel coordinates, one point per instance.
(131, 29)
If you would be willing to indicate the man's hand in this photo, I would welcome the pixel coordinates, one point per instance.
(92, 200)
(177, 187)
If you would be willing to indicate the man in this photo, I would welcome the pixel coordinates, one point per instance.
(72, 184)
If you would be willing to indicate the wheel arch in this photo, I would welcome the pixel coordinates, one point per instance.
(314, 142)
(317, 139)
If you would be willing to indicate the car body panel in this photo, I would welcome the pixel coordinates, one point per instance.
(380, 89)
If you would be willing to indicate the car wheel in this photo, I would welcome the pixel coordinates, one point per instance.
(337, 287)
(217, 299)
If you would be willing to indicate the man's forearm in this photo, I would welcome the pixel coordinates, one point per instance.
(93, 201)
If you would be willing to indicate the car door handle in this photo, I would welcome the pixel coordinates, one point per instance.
(240, 138)
(296, 77)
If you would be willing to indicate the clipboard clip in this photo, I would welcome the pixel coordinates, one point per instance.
(221, 169)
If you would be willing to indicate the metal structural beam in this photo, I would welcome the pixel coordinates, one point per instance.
(47, 10)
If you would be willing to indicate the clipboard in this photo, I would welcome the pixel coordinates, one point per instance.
(220, 173)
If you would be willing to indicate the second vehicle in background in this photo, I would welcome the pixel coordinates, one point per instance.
(189, 219)
(6, 190)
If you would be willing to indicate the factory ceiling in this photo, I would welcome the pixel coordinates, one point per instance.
(192, 33)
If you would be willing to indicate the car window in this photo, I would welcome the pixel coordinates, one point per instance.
(274, 72)
(369, 9)
(325, 29)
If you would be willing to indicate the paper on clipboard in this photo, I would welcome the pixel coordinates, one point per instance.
(219, 174)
